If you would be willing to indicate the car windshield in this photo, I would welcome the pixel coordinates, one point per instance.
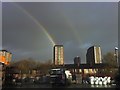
(55, 72)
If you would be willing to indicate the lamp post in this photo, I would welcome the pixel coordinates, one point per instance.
(116, 55)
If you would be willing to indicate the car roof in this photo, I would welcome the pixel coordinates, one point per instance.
(57, 69)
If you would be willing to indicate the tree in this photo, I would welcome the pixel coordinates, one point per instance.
(110, 60)
(27, 65)
(44, 67)
(24, 65)
(111, 64)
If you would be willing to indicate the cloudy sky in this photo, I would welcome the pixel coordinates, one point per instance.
(30, 30)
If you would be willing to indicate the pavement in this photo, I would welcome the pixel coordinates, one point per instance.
(61, 86)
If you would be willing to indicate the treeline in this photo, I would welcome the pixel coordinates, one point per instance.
(111, 64)
(27, 65)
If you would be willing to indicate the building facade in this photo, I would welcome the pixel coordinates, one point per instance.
(5, 56)
(93, 55)
(58, 55)
(77, 62)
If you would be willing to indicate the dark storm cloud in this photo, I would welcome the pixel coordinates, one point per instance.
(75, 25)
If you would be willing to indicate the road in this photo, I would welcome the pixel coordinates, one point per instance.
(60, 86)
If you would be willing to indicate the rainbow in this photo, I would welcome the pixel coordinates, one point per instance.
(37, 23)
(72, 27)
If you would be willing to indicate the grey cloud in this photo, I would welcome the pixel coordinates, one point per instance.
(75, 25)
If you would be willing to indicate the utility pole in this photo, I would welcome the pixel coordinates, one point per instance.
(116, 55)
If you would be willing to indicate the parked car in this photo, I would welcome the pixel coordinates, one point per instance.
(60, 76)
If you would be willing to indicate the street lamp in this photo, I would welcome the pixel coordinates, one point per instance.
(116, 55)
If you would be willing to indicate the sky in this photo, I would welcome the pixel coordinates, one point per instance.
(31, 29)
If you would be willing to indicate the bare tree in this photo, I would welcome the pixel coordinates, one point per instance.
(110, 59)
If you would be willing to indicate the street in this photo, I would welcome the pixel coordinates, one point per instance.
(61, 86)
